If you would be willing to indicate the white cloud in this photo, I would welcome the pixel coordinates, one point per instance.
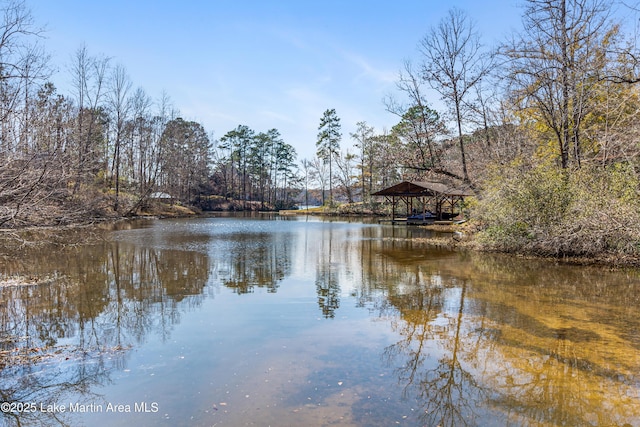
(380, 76)
(275, 116)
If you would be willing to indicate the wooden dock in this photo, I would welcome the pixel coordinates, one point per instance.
(416, 222)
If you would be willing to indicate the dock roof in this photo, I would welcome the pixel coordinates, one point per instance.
(424, 188)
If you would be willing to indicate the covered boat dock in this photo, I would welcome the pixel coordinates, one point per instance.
(425, 202)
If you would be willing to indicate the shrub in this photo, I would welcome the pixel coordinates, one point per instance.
(549, 211)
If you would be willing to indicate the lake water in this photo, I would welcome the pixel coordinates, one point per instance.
(274, 321)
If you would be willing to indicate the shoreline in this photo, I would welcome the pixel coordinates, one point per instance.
(461, 238)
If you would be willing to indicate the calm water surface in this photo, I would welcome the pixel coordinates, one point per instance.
(303, 322)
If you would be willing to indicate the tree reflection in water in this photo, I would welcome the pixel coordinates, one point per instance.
(253, 260)
(506, 339)
(327, 281)
(476, 338)
(64, 336)
(430, 333)
(50, 382)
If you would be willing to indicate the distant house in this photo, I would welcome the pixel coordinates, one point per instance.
(161, 197)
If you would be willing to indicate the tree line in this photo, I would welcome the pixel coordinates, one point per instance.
(101, 150)
(254, 166)
(546, 117)
(108, 148)
(542, 127)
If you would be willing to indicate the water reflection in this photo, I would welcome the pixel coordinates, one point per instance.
(326, 277)
(474, 339)
(532, 343)
(445, 386)
(65, 333)
(255, 260)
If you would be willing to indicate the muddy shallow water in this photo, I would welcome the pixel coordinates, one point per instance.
(233, 321)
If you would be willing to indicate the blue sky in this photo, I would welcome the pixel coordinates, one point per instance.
(264, 64)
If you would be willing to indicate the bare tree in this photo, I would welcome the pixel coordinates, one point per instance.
(35, 70)
(320, 174)
(364, 140)
(346, 174)
(119, 87)
(453, 64)
(410, 83)
(306, 170)
(555, 63)
(22, 64)
(27, 175)
(141, 142)
(385, 162)
(89, 74)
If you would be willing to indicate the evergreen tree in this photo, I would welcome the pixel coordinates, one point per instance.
(328, 144)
